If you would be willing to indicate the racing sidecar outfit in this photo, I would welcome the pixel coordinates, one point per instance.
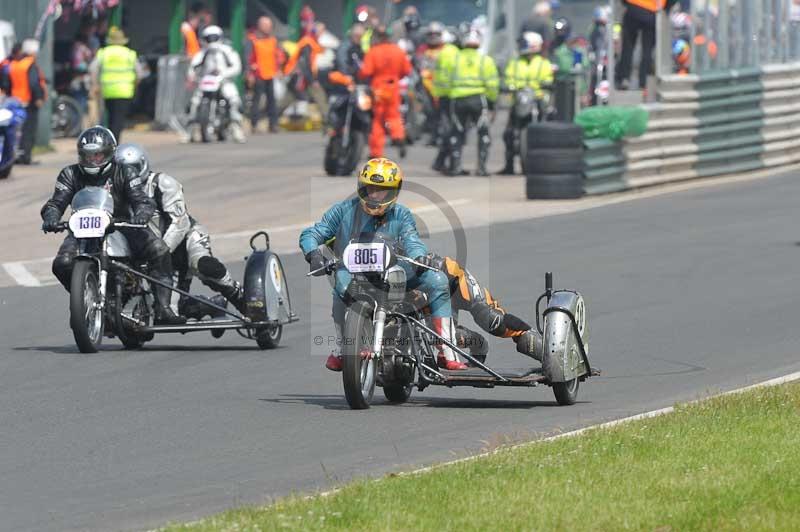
(190, 245)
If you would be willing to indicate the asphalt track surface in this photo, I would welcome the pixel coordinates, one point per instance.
(688, 293)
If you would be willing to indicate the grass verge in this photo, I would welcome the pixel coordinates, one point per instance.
(729, 463)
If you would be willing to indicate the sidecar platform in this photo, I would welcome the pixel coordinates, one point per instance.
(478, 378)
(213, 325)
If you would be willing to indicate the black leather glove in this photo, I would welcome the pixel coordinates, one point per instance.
(50, 223)
(317, 261)
(432, 260)
(140, 219)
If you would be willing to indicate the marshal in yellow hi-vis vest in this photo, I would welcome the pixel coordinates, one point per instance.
(534, 73)
(474, 74)
(117, 72)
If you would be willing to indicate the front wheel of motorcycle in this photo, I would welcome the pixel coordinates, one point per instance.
(359, 369)
(85, 312)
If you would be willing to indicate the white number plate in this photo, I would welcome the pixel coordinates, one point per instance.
(361, 258)
(89, 223)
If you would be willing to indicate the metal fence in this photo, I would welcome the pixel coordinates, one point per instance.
(172, 94)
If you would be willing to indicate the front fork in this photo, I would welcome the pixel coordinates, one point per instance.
(378, 324)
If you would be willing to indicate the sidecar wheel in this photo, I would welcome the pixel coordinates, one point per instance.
(566, 392)
(217, 333)
(85, 316)
(269, 338)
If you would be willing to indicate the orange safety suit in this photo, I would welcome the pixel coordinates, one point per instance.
(385, 63)
(19, 77)
(190, 41)
(267, 56)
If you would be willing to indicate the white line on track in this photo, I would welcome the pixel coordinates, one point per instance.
(20, 274)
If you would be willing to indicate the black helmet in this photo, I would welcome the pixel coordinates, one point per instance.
(133, 160)
(562, 28)
(96, 147)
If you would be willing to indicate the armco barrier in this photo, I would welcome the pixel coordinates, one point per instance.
(704, 126)
(172, 96)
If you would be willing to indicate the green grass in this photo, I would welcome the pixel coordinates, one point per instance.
(730, 463)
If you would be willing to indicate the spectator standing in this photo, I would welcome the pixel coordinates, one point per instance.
(301, 68)
(540, 21)
(26, 84)
(199, 17)
(115, 70)
(267, 57)
(639, 18)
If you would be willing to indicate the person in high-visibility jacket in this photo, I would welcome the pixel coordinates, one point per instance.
(531, 70)
(473, 92)
(26, 84)
(385, 64)
(115, 71)
(266, 56)
(368, 16)
(442, 72)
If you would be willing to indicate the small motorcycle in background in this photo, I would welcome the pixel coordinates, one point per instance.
(350, 118)
(213, 113)
(12, 116)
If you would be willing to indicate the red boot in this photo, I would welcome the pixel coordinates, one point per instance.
(334, 362)
(446, 359)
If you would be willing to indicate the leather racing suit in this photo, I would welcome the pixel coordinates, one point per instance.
(220, 58)
(347, 220)
(190, 245)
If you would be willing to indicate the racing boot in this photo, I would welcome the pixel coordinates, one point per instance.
(508, 169)
(237, 133)
(401, 147)
(474, 341)
(530, 343)
(234, 293)
(440, 163)
(164, 313)
(334, 361)
(455, 164)
(446, 358)
(193, 309)
(484, 142)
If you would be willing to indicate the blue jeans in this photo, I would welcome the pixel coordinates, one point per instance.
(433, 284)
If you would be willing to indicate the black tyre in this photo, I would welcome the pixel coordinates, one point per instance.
(566, 392)
(204, 120)
(397, 392)
(554, 186)
(130, 338)
(554, 135)
(67, 117)
(269, 338)
(523, 146)
(331, 161)
(353, 154)
(85, 316)
(358, 373)
(554, 161)
(217, 333)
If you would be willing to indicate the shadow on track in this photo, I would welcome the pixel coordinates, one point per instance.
(337, 402)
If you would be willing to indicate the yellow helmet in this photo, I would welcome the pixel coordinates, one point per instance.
(379, 184)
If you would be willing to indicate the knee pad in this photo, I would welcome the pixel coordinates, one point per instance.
(488, 319)
(62, 269)
(211, 267)
(155, 249)
(437, 281)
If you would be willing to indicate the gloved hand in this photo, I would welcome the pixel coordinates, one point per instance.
(316, 261)
(432, 260)
(140, 219)
(50, 223)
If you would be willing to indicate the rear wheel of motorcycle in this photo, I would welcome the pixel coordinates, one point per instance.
(566, 392)
(353, 155)
(397, 392)
(358, 373)
(331, 162)
(85, 314)
(203, 119)
(269, 338)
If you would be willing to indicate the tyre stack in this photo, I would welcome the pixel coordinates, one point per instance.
(554, 161)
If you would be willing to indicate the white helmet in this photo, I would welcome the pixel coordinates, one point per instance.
(211, 34)
(531, 43)
(472, 39)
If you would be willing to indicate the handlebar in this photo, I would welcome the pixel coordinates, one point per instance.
(64, 226)
(330, 266)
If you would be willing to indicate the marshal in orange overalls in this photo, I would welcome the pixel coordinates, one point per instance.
(385, 63)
